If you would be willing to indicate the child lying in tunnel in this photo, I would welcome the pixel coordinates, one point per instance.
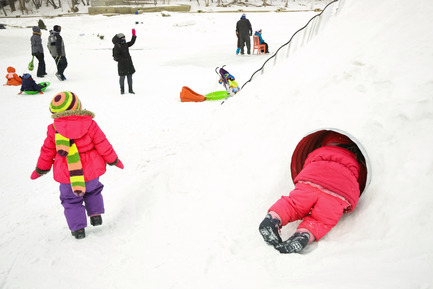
(325, 188)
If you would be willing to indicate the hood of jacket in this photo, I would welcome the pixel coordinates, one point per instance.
(116, 40)
(73, 124)
(10, 69)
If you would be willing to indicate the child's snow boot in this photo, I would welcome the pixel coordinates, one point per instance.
(238, 50)
(96, 220)
(79, 234)
(295, 243)
(269, 228)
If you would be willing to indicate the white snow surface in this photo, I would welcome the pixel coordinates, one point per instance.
(199, 177)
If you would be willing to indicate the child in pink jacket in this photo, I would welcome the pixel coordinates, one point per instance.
(326, 187)
(78, 151)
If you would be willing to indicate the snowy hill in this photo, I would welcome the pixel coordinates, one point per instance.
(199, 177)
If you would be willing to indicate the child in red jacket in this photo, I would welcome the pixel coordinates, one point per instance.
(78, 151)
(326, 187)
(12, 77)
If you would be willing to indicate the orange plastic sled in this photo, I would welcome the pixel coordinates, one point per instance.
(187, 94)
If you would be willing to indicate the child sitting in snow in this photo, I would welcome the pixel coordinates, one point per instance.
(78, 150)
(29, 84)
(325, 188)
(12, 77)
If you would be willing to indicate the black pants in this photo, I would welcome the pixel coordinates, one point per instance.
(266, 45)
(245, 40)
(61, 63)
(122, 82)
(41, 64)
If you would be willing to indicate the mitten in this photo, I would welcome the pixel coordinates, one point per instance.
(117, 163)
(133, 32)
(34, 175)
(38, 172)
(294, 244)
(120, 165)
(270, 230)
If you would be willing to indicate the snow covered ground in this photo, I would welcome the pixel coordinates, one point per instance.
(199, 177)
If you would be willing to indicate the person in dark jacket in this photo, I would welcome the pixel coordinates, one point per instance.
(29, 84)
(121, 54)
(56, 46)
(244, 30)
(38, 50)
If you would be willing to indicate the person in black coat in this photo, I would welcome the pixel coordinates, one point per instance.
(244, 30)
(29, 84)
(121, 54)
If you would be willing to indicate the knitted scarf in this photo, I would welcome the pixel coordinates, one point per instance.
(67, 148)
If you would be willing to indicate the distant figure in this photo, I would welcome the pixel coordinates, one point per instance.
(38, 50)
(29, 84)
(56, 46)
(325, 188)
(243, 28)
(238, 49)
(12, 77)
(261, 41)
(125, 67)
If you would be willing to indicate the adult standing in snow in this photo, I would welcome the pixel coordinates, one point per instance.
(56, 46)
(125, 67)
(244, 30)
(325, 188)
(38, 50)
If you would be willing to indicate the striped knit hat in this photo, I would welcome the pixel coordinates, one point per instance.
(63, 101)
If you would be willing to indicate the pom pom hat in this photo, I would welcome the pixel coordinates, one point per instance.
(63, 101)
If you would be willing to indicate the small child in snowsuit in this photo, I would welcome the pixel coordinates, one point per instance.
(12, 77)
(238, 49)
(325, 188)
(78, 150)
(29, 84)
(261, 41)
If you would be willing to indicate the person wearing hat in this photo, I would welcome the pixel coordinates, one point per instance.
(78, 151)
(38, 50)
(261, 41)
(125, 67)
(29, 84)
(325, 188)
(244, 30)
(12, 77)
(56, 46)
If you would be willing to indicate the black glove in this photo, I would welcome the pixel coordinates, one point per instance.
(269, 228)
(294, 244)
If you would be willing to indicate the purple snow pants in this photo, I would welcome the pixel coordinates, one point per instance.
(75, 211)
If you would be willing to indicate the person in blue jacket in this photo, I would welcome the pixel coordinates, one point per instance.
(261, 41)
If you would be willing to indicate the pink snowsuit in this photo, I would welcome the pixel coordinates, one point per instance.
(95, 150)
(326, 188)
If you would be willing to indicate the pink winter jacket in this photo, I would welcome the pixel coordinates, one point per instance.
(94, 148)
(335, 169)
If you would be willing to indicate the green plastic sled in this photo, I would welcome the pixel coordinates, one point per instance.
(216, 95)
(42, 89)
